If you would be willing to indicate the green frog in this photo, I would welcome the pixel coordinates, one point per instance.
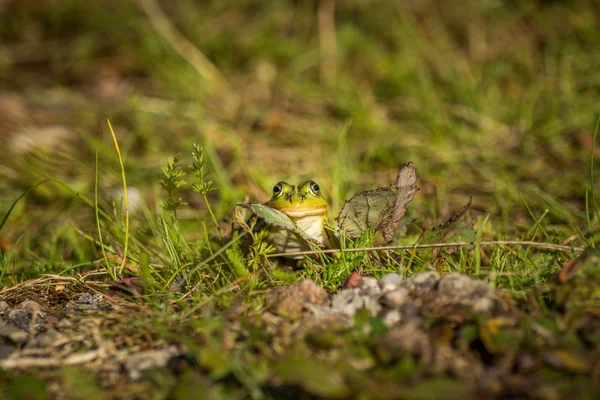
(305, 205)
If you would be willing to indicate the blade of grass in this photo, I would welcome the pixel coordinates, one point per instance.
(8, 257)
(14, 203)
(125, 197)
(592, 181)
(70, 189)
(97, 216)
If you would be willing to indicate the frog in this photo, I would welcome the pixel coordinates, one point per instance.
(305, 205)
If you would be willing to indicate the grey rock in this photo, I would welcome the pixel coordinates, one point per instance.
(64, 323)
(12, 333)
(6, 351)
(3, 306)
(21, 318)
(372, 305)
(349, 301)
(460, 286)
(390, 281)
(89, 298)
(485, 305)
(409, 311)
(395, 298)
(391, 317)
(138, 362)
(422, 283)
(49, 338)
(319, 311)
(369, 286)
(28, 305)
(88, 301)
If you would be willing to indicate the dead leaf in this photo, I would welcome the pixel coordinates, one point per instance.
(455, 229)
(570, 268)
(276, 218)
(381, 209)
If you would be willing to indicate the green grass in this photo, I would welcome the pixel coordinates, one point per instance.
(497, 100)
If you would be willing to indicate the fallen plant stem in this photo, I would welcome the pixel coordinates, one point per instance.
(540, 245)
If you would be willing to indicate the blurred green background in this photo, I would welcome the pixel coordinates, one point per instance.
(492, 99)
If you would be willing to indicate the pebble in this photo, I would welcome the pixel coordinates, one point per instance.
(484, 305)
(89, 298)
(138, 362)
(347, 302)
(12, 333)
(422, 283)
(395, 298)
(28, 305)
(390, 282)
(391, 317)
(6, 351)
(369, 286)
(3, 306)
(462, 287)
(23, 318)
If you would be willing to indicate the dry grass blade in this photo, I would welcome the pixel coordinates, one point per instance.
(186, 49)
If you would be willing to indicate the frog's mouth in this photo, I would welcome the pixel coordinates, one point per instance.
(304, 212)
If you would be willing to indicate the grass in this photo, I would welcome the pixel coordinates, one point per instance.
(497, 100)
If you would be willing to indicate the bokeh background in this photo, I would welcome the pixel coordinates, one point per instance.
(492, 99)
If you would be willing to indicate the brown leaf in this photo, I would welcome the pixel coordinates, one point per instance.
(381, 209)
(570, 268)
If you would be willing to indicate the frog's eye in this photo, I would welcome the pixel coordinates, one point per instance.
(277, 190)
(314, 188)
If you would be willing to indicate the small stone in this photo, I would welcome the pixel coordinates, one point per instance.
(372, 305)
(409, 311)
(21, 318)
(49, 338)
(484, 305)
(422, 283)
(6, 351)
(89, 301)
(319, 312)
(395, 298)
(391, 317)
(12, 333)
(290, 301)
(28, 305)
(460, 286)
(63, 324)
(347, 302)
(369, 286)
(138, 362)
(89, 298)
(3, 306)
(390, 282)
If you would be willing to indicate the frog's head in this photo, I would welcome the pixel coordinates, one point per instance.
(298, 201)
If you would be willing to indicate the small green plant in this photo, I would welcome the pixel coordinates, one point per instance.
(172, 183)
(200, 170)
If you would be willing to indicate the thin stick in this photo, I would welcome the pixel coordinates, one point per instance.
(549, 246)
